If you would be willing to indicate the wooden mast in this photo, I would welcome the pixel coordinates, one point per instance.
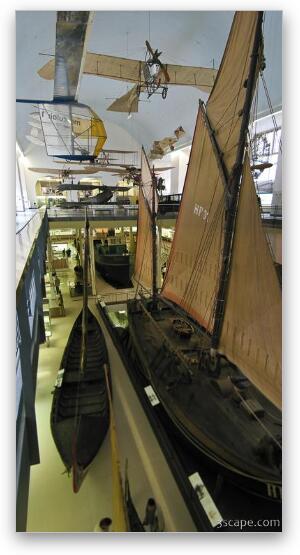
(154, 253)
(85, 295)
(234, 188)
(215, 146)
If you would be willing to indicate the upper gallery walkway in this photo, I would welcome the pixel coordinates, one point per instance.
(28, 225)
(108, 215)
(126, 215)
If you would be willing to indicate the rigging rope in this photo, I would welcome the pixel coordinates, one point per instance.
(140, 286)
(276, 128)
(258, 420)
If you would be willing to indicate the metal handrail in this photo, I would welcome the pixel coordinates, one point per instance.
(131, 211)
(105, 211)
(122, 296)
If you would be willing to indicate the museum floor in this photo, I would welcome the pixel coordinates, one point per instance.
(53, 507)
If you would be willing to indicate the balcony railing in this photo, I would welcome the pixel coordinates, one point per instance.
(130, 212)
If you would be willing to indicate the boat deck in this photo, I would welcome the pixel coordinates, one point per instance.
(196, 400)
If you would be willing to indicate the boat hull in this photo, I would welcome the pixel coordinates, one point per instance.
(194, 410)
(115, 269)
(80, 407)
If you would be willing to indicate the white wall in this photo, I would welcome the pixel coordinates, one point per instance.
(174, 178)
(22, 202)
(277, 188)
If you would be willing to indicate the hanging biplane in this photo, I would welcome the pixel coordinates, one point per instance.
(104, 158)
(71, 130)
(150, 76)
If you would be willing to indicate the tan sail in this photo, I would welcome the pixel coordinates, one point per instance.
(225, 104)
(143, 258)
(124, 69)
(194, 264)
(193, 273)
(127, 103)
(251, 332)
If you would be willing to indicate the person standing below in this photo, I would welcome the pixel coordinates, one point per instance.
(104, 525)
(154, 520)
(57, 284)
(61, 303)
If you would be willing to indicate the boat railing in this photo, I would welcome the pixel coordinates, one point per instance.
(121, 297)
(271, 211)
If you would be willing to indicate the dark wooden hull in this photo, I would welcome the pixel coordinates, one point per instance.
(116, 269)
(212, 425)
(80, 407)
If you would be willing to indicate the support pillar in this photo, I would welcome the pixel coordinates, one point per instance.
(277, 189)
(80, 247)
(49, 255)
(132, 243)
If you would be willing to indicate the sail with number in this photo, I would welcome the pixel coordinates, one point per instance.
(194, 262)
(251, 332)
(143, 272)
(251, 325)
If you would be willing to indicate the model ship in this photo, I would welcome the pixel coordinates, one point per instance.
(80, 407)
(113, 262)
(210, 342)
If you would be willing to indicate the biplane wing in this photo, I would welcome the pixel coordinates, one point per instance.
(124, 170)
(89, 187)
(57, 171)
(119, 151)
(70, 129)
(72, 30)
(123, 69)
(77, 187)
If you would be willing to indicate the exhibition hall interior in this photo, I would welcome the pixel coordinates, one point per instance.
(148, 271)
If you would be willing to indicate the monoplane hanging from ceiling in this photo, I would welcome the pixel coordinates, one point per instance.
(104, 195)
(130, 174)
(163, 146)
(151, 76)
(71, 130)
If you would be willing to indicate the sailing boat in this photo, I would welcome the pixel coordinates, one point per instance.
(210, 342)
(80, 407)
(113, 262)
